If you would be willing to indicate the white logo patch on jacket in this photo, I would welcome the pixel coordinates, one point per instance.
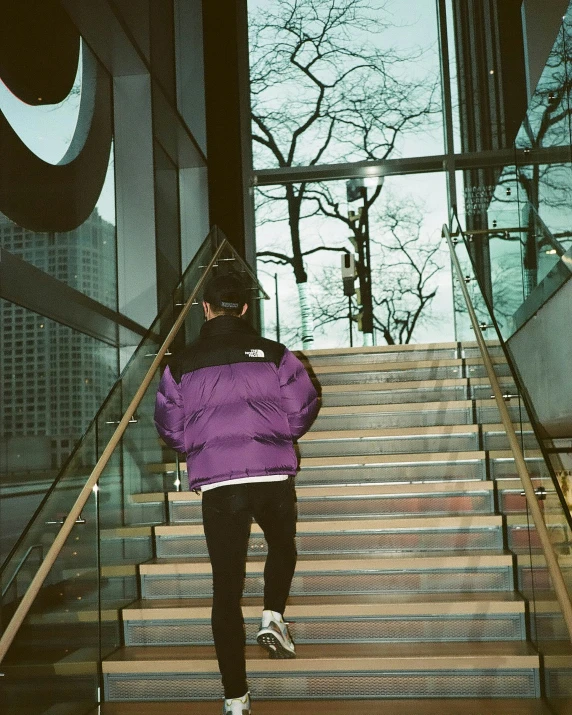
(254, 353)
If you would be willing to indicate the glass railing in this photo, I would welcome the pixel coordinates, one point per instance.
(538, 520)
(73, 621)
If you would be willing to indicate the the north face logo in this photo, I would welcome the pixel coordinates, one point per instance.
(255, 353)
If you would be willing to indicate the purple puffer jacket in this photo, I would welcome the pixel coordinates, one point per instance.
(234, 403)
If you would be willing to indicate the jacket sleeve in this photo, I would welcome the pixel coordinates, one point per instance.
(169, 413)
(299, 397)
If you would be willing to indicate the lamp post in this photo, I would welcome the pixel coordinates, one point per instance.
(348, 279)
(356, 189)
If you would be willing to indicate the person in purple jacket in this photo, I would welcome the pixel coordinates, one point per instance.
(235, 403)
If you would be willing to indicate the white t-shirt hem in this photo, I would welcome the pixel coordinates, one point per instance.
(246, 480)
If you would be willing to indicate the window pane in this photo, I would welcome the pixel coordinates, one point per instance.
(410, 270)
(343, 82)
(84, 258)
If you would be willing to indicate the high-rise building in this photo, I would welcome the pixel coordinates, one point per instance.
(52, 378)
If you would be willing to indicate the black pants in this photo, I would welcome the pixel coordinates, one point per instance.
(227, 517)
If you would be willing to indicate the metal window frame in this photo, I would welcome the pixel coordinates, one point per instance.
(33, 289)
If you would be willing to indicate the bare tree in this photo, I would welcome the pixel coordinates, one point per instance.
(403, 280)
(323, 92)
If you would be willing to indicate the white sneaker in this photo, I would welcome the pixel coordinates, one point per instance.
(274, 636)
(237, 706)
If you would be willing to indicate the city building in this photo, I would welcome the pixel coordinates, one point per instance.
(53, 379)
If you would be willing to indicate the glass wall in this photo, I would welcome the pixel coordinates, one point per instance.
(410, 274)
(335, 84)
(53, 380)
(84, 258)
(519, 216)
(339, 86)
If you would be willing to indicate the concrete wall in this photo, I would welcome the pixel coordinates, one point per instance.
(542, 351)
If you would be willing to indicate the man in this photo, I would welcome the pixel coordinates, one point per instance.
(235, 403)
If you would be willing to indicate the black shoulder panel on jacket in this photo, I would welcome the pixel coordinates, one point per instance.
(225, 347)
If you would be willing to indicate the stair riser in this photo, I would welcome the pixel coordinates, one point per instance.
(386, 356)
(454, 372)
(410, 395)
(395, 397)
(523, 540)
(539, 578)
(394, 419)
(505, 469)
(416, 472)
(414, 374)
(348, 543)
(151, 513)
(494, 441)
(350, 630)
(548, 626)
(455, 503)
(411, 418)
(324, 584)
(558, 683)
(410, 445)
(125, 549)
(513, 501)
(389, 445)
(119, 588)
(450, 352)
(425, 684)
(391, 473)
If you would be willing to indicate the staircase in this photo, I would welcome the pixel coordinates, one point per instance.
(413, 570)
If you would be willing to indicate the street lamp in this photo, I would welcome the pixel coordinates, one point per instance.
(356, 189)
(348, 279)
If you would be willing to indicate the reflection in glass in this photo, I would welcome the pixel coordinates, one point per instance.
(84, 259)
(528, 212)
(53, 380)
(46, 129)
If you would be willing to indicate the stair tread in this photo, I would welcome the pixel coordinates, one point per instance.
(401, 364)
(456, 706)
(395, 432)
(365, 349)
(476, 597)
(451, 457)
(353, 434)
(334, 656)
(396, 407)
(335, 562)
(361, 524)
(348, 491)
(319, 611)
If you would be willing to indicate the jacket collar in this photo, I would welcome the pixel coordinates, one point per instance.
(224, 324)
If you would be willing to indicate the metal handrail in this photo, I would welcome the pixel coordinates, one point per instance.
(20, 566)
(41, 574)
(554, 570)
